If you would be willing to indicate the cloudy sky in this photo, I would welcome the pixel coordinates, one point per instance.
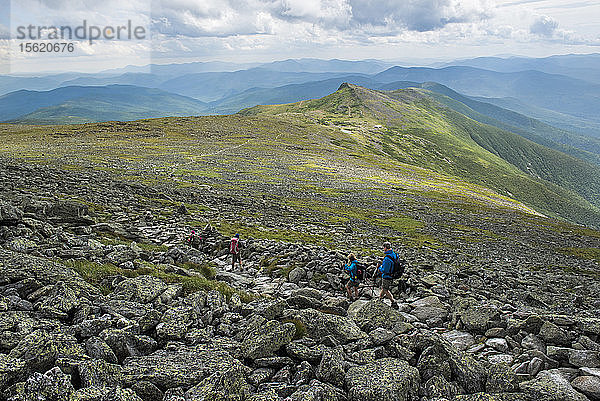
(266, 30)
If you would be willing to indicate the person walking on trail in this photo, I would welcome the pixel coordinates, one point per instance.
(234, 250)
(352, 269)
(385, 268)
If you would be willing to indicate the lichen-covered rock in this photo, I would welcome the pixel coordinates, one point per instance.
(131, 310)
(434, 362)
(438, 387)
(304, 352)
(18, 267)
(266, 337)
(552, 334)
(386, 379)
(271, 309)
(99, 349)
(40, 349)
(142, 289)
(501, 379)
(474, 315)
(147, 391)
(53, 385)
(22, 245)
(429, 310)
(296, 275)
(120, 394)
(16, 325)
(125, 344)
(178, 366)
(331, 368)
(318, 391)
(588, 385)
(90, 394)
(550, 385)
(370, 315)
(319, 325)
(61, 301)
(175, 323)
(99, 373)
(9, 214)
(584, 358)
(224, 385)
(12, 370)
(460, 339)
(491, 397)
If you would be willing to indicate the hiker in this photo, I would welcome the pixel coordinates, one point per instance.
(386, 267)
(234, 250)
(352, 269)
(194, 240)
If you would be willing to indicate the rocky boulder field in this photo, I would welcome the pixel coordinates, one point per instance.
(105, 301)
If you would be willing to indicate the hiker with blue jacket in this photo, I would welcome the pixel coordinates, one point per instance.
(352, 269)
(385, 268)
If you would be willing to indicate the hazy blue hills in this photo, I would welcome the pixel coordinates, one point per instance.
(550, 91)
(79, 104)
(581, 66)
(213, 86)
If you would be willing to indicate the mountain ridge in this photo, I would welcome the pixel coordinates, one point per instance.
(410, 116)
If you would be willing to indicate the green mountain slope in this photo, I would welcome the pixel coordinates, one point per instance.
(410, 126)
(582, 147)
(81, 104)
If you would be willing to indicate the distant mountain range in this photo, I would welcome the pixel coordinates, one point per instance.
(580, 66)
(561, 91)
(81, 104)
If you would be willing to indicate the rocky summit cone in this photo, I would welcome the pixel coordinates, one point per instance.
(106, 294)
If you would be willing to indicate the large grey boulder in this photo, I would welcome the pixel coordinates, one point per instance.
(177, 367)
(317, 391)
(16, 267)
(550, 385)
(588, 385)
(429, 310)
(175, 323)
(552, 334)
(143, 289)
(40, 349)
(125, 344)
(52, 385)
(99, 373)
(319, 325)
(370, 315)
(12, 370)
(265, 337)
(9, 214)
(229, 384)
(475, 315)
(385, 379)
(331, 368)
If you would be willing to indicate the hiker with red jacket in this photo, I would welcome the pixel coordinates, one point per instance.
(234, 250)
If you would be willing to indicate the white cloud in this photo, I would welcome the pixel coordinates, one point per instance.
(419, 15)
(544, 26)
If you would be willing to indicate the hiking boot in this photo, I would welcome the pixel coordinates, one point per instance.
(394, 305)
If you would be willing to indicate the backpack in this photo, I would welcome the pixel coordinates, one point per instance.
(234, 246)
(398, 266)
(360, 271)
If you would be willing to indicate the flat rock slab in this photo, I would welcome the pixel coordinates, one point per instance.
(386, 379)
(179, 367)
